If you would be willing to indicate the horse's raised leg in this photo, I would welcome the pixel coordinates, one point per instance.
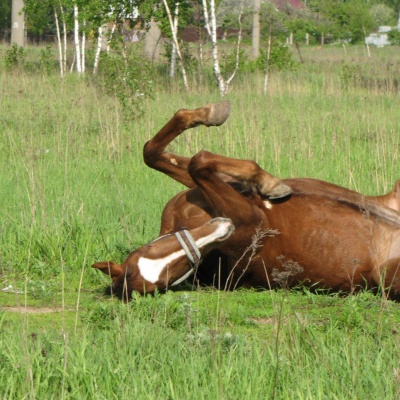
(173, 165)
(204, 168)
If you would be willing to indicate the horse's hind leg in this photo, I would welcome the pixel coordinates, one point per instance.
(173, 165)
(241, 170)
(205, 169)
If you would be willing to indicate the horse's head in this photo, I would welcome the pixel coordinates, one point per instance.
(165, 261)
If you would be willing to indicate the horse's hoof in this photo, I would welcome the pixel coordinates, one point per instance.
(219, 112)
(279, 191)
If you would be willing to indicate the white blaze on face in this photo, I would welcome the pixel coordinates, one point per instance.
(150, 269)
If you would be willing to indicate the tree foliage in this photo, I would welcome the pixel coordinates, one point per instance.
(382, 14)
(342, 19)
(5, 14)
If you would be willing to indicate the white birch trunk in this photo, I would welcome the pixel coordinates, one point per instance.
(229, 80)
(211, 27)
(60, 53)
(173, 61)
(210, 23)
(76, 39)
(178, 51)
(173, 50)
(83, 52)
(98, 50)
(366, 43)
(65, 43)
(268, 58)
(200, 62)
(255, 42)
(111, 35)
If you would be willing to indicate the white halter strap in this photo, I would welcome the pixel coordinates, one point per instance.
(189, 246)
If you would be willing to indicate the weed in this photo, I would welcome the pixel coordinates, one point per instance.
(14, 58)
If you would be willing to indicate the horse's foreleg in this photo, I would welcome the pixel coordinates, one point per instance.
(173, 165)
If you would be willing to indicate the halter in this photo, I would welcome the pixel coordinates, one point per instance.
(189, 246)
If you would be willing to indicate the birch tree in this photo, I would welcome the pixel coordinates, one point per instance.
(173, 50)
(211, 27)
(60, 51)
(78, 61)
(267, 59)
(255, 43)
(176, 43)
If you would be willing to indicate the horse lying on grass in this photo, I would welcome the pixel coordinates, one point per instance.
(237, 225)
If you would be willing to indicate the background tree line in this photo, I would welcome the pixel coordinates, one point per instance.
(90, 33)
(337, 18)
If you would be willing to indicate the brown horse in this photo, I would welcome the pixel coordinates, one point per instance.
(238, 225)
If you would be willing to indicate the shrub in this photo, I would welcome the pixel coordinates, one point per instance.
(128, 77)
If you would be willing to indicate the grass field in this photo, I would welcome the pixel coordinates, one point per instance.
(74, 190)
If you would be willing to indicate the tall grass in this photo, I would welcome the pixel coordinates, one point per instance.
(74, 190)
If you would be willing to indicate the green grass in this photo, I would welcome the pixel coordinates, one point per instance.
(214, 345)
(74, 190)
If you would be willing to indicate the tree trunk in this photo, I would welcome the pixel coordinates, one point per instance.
(17, 23)
(173, 50)
(98, 50)
(111, 35)
(83, 49)
(178, 50)
(366, 43)
(65, 42)
(266, 75)
(151, 39)
(211, 27)
(60, 53)
(77, 41)
(255, 44)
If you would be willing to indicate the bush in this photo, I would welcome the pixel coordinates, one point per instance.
(128, 77)
(14, 58)
(394, 37)
(281, 57)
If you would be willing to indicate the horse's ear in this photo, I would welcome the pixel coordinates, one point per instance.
(108, 268)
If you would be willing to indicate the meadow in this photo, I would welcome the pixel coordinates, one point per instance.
(74, 190)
